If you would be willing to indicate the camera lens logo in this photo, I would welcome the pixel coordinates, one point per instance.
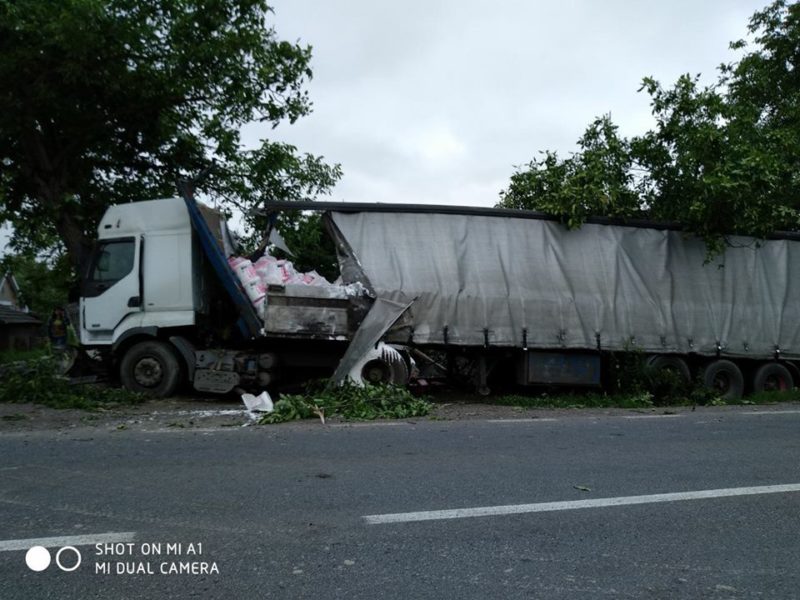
(38, 558)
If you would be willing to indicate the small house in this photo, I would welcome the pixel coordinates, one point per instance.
(18, 330)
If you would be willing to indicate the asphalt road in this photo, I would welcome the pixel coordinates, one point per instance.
(279, 512)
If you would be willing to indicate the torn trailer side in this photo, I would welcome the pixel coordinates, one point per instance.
(517, 290)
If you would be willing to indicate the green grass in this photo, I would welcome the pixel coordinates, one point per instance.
(36, 380)
(14, 417)
(769, 397)
(638, 400)
(589, 400)
(11, 356)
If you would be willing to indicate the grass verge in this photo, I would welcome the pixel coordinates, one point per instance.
(637, 400)
(11, 356)
(36, 380)
(589, 400)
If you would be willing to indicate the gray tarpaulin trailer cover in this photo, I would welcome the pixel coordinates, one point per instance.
(488, 276)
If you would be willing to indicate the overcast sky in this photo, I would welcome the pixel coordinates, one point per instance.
(436, 102)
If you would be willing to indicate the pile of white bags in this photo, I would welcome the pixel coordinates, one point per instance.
(251, 282)
(280, 272)
(269, 270)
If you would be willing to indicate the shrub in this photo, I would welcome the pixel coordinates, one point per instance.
(349, 401)
(632, 375)
(38, 381)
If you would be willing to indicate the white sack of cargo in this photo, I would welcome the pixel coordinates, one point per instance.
(503, 280)
(253, 286)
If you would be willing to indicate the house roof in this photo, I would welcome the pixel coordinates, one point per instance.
(12, 316)
(8, 279)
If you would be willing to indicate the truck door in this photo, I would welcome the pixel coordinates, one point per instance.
(111, 288)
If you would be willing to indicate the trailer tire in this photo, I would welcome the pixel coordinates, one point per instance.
(150, 368)
(382, 365)
(772, 377)
(381, 371)
(675, 364)
(724, 377)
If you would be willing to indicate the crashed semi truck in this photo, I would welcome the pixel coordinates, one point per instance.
(439, 292)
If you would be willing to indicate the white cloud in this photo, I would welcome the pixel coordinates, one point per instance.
(437, 101)
(436, 145)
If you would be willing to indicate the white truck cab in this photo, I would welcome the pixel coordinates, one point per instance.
(141, 273)
(162, 305)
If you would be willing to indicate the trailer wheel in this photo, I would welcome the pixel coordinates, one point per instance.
(150, 368)
(675, 364)
(382, 365)
(379, 371)
(725, 378)
(772, 377)
(376, 371)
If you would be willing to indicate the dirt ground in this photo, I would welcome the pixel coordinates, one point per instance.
(194, 413)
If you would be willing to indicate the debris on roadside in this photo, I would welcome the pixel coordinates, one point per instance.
(260, 403)
(349, 402)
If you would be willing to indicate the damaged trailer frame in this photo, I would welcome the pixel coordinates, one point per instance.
(162, 305)
(485, 285)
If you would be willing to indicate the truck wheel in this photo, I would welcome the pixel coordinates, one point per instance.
(725, 378)
(150, 368)
(670, 363)
(772, 377)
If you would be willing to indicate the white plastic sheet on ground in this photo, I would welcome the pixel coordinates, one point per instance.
(260, 403)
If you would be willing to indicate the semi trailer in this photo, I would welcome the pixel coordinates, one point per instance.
(443, 291)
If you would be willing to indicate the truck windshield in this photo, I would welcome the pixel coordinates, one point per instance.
(112, 260)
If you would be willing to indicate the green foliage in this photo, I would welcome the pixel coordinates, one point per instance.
(350, 402)
(313, 248)
(108, 102)
(597, 180)
(722, 159)
(10, 356)
(14, 417)
(770, 397)
(695, 395)
(588, 400)
(37, 381)
(43, 284)
(630, 374)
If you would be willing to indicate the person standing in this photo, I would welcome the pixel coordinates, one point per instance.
(57, 329)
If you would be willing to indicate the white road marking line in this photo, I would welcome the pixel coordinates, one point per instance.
(545, 420)
(515, 509)
(67, 540)
(772, 412)
(651, 416)
(242, 412)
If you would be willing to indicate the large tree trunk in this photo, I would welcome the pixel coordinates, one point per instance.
(66, 224)
(49, 177)
(75, 242)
